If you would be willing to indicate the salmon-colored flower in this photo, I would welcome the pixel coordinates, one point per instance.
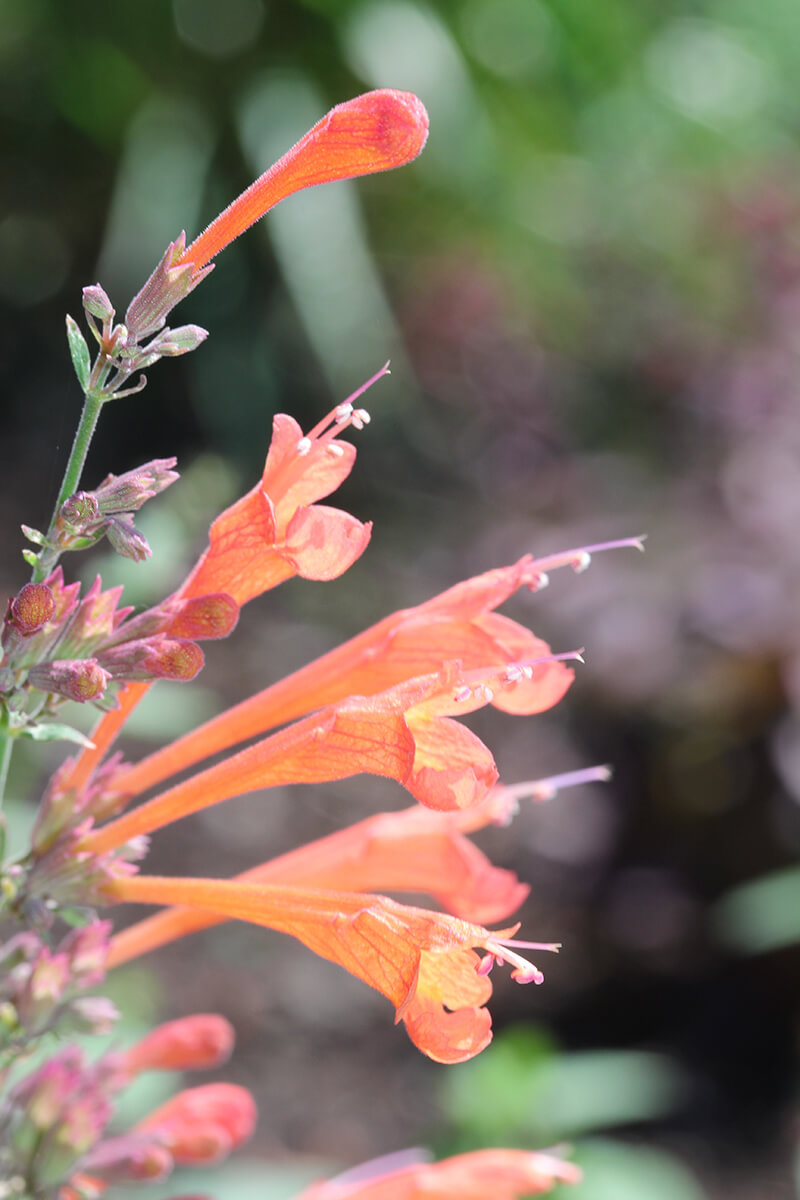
(415, 850)
(405, 733)
(480, 1175)
(457, 625)
(424, 962)
(374, 132)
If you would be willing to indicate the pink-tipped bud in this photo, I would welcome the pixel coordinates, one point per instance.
(127, 493)
(87, 950)
(158, 657)
(80, 679)
(174, 342)
(127, 540)
(31, 609)
(201, 1041)
(80, 510)
(129, 1157)
(97, 303)
(202, 1125)
(48, 981)
(205, 618)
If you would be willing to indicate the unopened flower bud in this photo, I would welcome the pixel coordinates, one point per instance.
(80, 679)
(204, 618)
(127, 540)
(96, 302)
(159, 657)
(31, 609)
(87, 951)
(129, 1157)
(95, 1015)
(80, 510)
(189, 1043)
(173, 342)
(46, 985)
(127, 493)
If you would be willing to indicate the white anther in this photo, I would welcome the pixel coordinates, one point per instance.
(334, 450)
(486, 694)
(581, 561)
(343, 413)
(514, 674)
(363, 416)
(527, 672)
(542, 581)
(303, 447)
(463, 693)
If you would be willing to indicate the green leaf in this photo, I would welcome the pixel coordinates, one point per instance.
(79, 352)
(55, 733)
(34, 535)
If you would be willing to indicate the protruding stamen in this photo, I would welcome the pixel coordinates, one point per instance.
(540, 790)
(343, 412)
(504, 950)
(578, 558)
(303, 447)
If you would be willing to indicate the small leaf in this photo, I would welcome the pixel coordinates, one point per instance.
(34, 535)
(55, 733)
(31, 557)
(79, 352)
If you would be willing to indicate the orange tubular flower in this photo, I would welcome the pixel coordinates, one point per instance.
(411, 851)
(405, 733)
(423, 962)
(457, 625)
(192, 1043)
(374, 132)
(480, 1175)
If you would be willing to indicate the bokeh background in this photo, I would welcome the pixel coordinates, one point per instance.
(589, 288)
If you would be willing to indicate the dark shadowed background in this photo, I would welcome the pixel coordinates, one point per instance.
(589, 288)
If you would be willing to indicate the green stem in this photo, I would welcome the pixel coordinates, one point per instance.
(72, 475)
(80, 447)
(6, 748)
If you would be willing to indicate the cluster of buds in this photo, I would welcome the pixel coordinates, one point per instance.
(66, 646)
(39, 987)
(54, 1140)
(85, 517)
(121, 352)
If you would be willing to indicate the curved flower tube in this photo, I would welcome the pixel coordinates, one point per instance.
(415, 850)
(480, 1175)
(424, 962)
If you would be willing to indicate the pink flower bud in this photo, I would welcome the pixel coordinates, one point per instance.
(80, 510)
(158, 657)
(95, 1015)
(173, 342)
(127, 493)
(87, 950)
(31, 609)
(96, 302)
(127, 540)
(190, 1043)
(204, 618)
(81, 679)
(129, 1157)
(46, 985)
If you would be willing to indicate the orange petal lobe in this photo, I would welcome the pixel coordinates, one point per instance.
(322, 543)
